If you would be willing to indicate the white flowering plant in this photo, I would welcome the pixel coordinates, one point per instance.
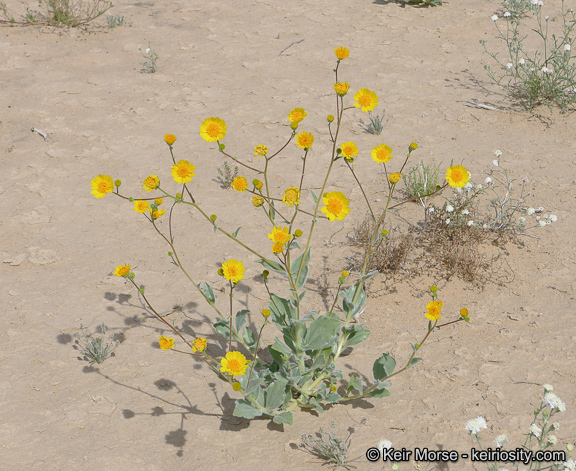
(539, 442)
(497, 204)
(542, 76)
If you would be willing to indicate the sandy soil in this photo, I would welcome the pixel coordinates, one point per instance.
(145, 409)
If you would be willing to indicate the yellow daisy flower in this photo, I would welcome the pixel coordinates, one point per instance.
(366, 99)
(239, 184)
(122, 270)
(213, 129)
(413, 146)
(141, 206)
(101, 185)
(260, 151)
(336, 205)
(395, 177)
(297, 115)
(381, 154)
(277, 248)
(433, 308)
(233, 270)
(304, 140)
(464, 312)
(151, 183)
(457, 176)
(257, 201)
(349, 150)
(341, 88)
(169, 139)
(234, 363)
(342, 53)
(199, 345)
(166, 343)
(279, 235)
(157, 214)
(158, 201)
(183, 171)
(291, 196)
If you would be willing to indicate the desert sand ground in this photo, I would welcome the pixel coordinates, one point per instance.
(145, 409)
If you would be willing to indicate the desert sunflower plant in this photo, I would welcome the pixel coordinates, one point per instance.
(299, 368)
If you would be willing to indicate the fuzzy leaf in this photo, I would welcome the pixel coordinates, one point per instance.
(241, 319)
(209, 293)
(284, 418)
(272, 266)
(380, 393)
(276, 394)
(414, 361)
(356, 334)
(245, 409)
(355, 383)
(303, 261)
(249, 337)
(314, 196)
(322, 333)
(384, 367)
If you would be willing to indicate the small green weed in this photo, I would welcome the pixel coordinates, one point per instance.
(95, 349)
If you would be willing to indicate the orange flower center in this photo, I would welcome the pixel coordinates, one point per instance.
(103, 187)
(234, 365)
(457, 175)
(334, 206)
(213, 130)
(232, 271)
(365, 100)
(381, 154)
(183, 172)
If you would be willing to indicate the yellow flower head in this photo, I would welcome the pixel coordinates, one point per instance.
(141, 206)
(257, 201)
(349, 150)
(239, 184)
(260, 151)
(330, 118)
(395, 177)
(365, 99)
(213, 129)
(183, 171)
(151, 183)
(122, 270)
(413, 146)
(265, 312)
(464, 312)
(457, 176)
(291, 196)
(277, 248)
(433, 308)
(169, 139)
(101, 185)
(257, 184)
(342, 53)
(341, 88)
(381, 154)
(234, 363)
(336, 205)
(304, 140)
(298, 233)
(166, 343)
(233, 270)
(297, 115)
(199, 345)
(157, 214)
(345, 274)
(279, 235)
(158, 201)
